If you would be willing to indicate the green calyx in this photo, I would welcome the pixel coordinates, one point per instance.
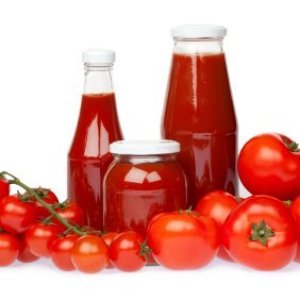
(293, 146)
(287, 203)
(144, 251)
(261, 233)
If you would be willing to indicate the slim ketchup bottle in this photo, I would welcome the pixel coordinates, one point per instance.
(97, 127)
(199, 111)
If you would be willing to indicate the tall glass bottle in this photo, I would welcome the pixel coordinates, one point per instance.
(199, 111)
(97, 127)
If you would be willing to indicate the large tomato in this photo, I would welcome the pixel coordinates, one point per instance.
(270, 164)
(261, 233)
(295, 209)
(218, 205)
(183, 240)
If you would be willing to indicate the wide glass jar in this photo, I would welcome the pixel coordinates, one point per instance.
(145, 179)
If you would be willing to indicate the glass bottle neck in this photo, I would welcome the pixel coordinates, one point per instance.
(98, 79)
(198, 46)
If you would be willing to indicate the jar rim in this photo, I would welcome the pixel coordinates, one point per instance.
(144, 147)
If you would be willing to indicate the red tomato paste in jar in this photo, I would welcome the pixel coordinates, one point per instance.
(199, 110)
(144, 180)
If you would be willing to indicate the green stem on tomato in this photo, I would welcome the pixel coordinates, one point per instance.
(39, 199)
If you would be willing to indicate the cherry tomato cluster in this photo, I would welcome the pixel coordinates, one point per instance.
(261, 231)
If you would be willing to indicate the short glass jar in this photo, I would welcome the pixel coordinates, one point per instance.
(145, 179)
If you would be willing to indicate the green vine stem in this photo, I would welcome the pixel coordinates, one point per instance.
(14, 180)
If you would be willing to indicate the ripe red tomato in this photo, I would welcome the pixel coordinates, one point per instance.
(49, 197)
(108, 238)
(183, 240)
(16, 216)
(295, 209)
(60, 252)
(9, 249)
(89, 254)
(270, 164)
(126, 251)
(71, 211)
(39, 238)
(25, 255)
(261, 233)
(218, 205)
(4, 188)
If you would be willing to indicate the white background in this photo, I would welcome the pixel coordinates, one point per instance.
(41, 78)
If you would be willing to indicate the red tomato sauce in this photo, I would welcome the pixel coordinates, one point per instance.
(199, 114)
(135, 191)
(89, 156)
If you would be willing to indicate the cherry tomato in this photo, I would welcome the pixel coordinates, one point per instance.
(4, 188)
(60, 252)
(218, 205)
(49, 197)
(89, 254)
(108, 238)
(25, 255)
(295, 209)
(71, 211)
(270, 164)
(261, 233)
(9, 249)
(39, 238)
(16, 216)
(125, 251)
(183, 240)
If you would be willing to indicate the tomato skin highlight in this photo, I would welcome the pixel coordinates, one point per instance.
(89, 254)
(295, 209)
(25, 255)
(9, 249)
(15, 215)
(60, 252)
(108, 238)
(4, 188)
(217, 205)
(267, 166)
(124, 252)
(280, 248)
(183, 240)
(39, 238)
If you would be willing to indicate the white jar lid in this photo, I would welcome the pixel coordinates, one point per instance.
(199, 31)
(98, 56)
(144, 147)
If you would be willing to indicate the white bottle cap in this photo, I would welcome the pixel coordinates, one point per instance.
(198, 31)
(98, 57)
(145, 147)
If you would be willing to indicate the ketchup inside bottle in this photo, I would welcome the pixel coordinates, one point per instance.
(199, 114)
(89, 156)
